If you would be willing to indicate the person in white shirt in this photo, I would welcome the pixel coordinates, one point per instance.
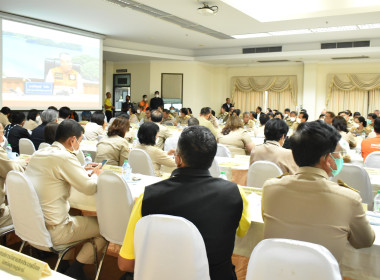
(96, 127)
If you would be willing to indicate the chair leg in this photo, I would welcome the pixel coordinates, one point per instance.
(60, 256)
(95, 254)
(22, 246)
(101, 260)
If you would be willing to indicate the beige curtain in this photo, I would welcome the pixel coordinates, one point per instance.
(247, 101)
(275, 85)
(374, 100)
(355, 100)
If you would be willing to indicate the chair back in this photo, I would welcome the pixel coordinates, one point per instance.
(171, 143)
(372, 160)
(141, 162)
(260, 171)
(113, 199)
(43, 145)
(357, 178)
(26, 146)
(169, 247)
(286, 259)
(81, 157)
(214, 169)
(223, 151)
(26, 211)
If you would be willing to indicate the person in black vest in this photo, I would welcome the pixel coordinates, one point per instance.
(38, 134)
(227, 106)
(217, 207)
(14, 131)
(156, 101)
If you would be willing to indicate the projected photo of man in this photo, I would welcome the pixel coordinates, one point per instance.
(66, 80)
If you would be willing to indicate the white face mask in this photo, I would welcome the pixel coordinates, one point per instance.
(298, 120)
(157, 95)
(145, 99)
(292, 119)
(75, 152)
(138, 111)
(286, 115)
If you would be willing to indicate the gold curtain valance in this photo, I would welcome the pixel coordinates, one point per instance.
(266, 83)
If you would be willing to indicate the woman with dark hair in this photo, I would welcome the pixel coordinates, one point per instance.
(95, 127)
(114, 148)
(340, 124)
(360, 127)
(132, 115)
(49, 132)
(235, 137)
(147, 135)
(183, 117)
(32, 120)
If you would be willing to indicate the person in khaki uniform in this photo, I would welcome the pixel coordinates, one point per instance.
(247, 122)
(204, 121)
(183, 118)
(272, 150)
(308, 206)
(340, 124)
(6, 165)
(360, 127)
(163, 133)
(147, 135)
(96, 127)
(236, 138)
(32, 120)
(167, 117)
(223, 114)
(4, 114)
(114, 148)
(140, 113)
(53, 171)
(213, 120)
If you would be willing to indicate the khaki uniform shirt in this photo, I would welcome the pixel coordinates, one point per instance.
(92, 131)
(158, 157)
(224, 116)
(309, 207)
(30, 125)
(350, 138)
(133, 119)
(53, 171)
(183, 120)
(163, 134)
(294, 126)
(355, 130)
(114, 149)
(272, 151)
(249, 125)
(214, 121)
(140, 116)
(236, 141)
(170, 118)
(208, 124)
(4, 120)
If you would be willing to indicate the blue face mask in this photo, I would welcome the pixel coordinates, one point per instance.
(339, 165)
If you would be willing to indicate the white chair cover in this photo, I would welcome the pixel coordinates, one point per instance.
(260, 171)
(43, 145)
(372, 160)
(26, 146)
(141, 162)
(171, 143)
(113, 199)
(170, 248)
(357, 178)
(285, 259)
(223, 151)
(214, 169)
(26, 211)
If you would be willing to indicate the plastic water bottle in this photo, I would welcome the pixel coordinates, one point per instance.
(126, 171)
(376, 203)
(87, 159)
(135, 142)
(8, 149)
(223, 175)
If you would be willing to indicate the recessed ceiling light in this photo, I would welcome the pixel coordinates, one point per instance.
(369, 26)
(254, 35)
(290, 32)
(334, 29)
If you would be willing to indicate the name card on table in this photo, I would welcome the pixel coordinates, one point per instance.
(23, 265)
(117, 169)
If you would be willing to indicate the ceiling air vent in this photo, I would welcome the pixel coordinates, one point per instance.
(340, 45)
(351, 57)
(263, 49)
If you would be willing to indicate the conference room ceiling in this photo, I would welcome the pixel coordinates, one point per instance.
(129, 25)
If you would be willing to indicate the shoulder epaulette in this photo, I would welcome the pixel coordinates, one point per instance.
(343, 184)
(285, 174)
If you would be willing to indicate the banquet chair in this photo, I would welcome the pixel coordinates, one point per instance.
(141, 162)
(171, 143)
(214, 169)
(286, 259)
(26, 146)
(260, 171)
(372, 160)
(169, 247)
(357, 178)
(113, 221)
(28, 219)
(4, 231)
(43, 145)
(223, 151)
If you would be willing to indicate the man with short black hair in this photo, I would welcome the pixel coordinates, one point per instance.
(53, 171)
(4, 116)
(204, 120)
(217, 207)
(144, 103)
(227, 106)
(329, 117)
(156, 101)
(14, 131)
(308, 206)
(163, 133)
(64, 113)
(371, 120)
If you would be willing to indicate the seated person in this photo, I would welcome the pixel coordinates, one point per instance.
(340, 124)
(272, 150)
(308, 206)
(32, 120)
(140, 113)
(38, 135)
(183, 117)
(86, 117)
(53, 171)
(5, 112)
(167, 117)
(223, 114)
(217, 207)
(204, 120)
(147, 135)
(164, 133)
(132, 115)
(371, 144)
(96, 127)
(360, 126)
(193, 121)
(247, 122)
(115, 147)
(64, 113)
(14, 131)
(50, 132)
(6, 165)
(214, 120)
(259, 131)
(235, 137)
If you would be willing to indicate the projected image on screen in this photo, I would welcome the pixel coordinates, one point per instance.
(43, 67)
